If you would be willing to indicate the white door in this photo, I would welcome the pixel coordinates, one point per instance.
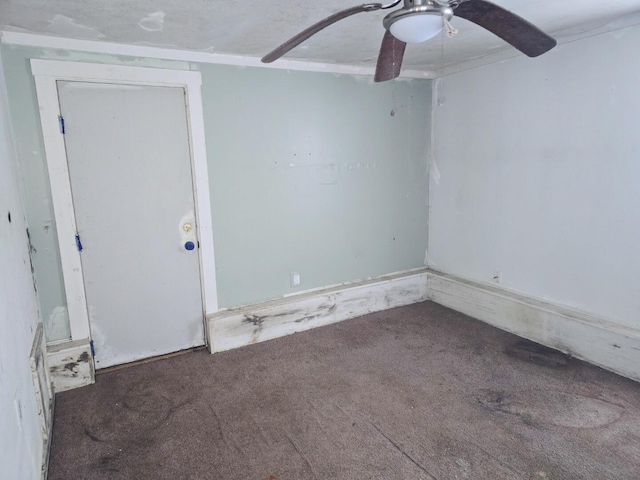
(130, 170)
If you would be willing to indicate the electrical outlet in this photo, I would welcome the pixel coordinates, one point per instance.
(295, 279)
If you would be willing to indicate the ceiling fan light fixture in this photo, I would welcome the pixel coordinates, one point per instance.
(417, 28)
(418, 21)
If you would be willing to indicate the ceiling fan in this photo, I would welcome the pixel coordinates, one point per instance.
(420, 20)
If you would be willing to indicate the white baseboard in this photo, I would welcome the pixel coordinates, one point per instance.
(609, 345)
(601, 342)
(595, 340)
(265, 321)
(71, 365)
(45, 398)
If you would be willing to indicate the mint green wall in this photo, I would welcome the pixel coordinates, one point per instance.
(309, 172)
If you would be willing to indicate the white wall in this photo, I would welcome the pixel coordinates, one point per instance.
(536, 174)
(20, 435)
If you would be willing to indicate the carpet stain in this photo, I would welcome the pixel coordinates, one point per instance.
(498, 401)
(537, 354)
(106, 464)
(447, 401)
(552, 407)
(92, 436)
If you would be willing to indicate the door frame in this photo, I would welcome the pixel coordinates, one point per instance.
(46, 74)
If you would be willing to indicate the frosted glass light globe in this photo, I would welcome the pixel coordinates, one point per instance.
(416, 28)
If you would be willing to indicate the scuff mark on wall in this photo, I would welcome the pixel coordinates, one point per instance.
(32, 250)
(102, 347)
(68, 27)
(154, 22)
(434, 172)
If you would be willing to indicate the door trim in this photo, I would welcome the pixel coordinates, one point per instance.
(46, 74)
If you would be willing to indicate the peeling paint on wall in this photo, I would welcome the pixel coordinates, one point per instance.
(68, 27)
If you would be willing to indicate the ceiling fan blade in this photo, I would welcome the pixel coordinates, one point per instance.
(390, 58)
(315, 28)
(513, 29)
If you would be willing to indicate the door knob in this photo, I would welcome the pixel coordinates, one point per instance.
(189, 245)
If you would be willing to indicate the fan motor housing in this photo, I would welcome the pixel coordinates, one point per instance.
(417, 7)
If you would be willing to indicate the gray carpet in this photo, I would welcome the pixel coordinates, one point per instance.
(418, 392)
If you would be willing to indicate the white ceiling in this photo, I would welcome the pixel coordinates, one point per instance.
(253, 28)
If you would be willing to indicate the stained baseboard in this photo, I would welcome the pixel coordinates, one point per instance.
(598, 341)
(238, 327)
(70, 365)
